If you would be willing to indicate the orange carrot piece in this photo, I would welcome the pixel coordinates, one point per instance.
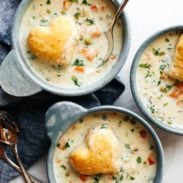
(67, 4)
(151, 159)
(94, 8)
(83, 178)
(79, 68)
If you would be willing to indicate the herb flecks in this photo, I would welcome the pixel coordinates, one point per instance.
(77, 15)
(104, 126)
(139, 160)
(90, 21)
(85, 2)
(76, 81)
(158, 52)
(73, 1)
(48, 2)
(145, 66)
(67, 145)
(78, 62)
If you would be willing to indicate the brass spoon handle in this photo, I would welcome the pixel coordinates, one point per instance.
(16, 167)
(23, 170)
(118, 13)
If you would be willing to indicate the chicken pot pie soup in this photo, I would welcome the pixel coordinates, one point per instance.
(105, 147)
(159, 79)
(64, 41)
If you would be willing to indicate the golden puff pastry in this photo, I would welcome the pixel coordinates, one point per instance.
(99, 154)
(51, 43)
(176, 71)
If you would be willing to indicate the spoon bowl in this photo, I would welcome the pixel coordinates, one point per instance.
(109, 33)
(9, 136)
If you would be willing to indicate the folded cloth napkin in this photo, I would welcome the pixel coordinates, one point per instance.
(29, 112)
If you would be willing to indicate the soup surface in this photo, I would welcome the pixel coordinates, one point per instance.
(160, 95)
(137, 151)
(92, 18)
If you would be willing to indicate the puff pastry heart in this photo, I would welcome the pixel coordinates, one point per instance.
(49, 43)
(176, 71)
(99, 154)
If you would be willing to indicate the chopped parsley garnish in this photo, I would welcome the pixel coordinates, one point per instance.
(63, 166)
(73, 1)
(127, 146)
(63, 12)
(67, 145)
(152, 109)
(104, 116)
(139, 159)
(87, 41)
(118, 179)
(145, 66)
(104, 126)
(78, 62)
(48, 11)
(76, 15)
(75, 80)
(48, 2)
(85, 2)
(159, 82)
(149, 74)
(165, 104)
(163, 67)
(96, 178)
(157, 52)
(166, 88)
(43, 22)
(167, 40)
(67, 174)
(89, 21)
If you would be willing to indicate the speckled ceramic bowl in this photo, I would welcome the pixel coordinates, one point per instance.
(62, 115)
(133, 81)
(63, 91)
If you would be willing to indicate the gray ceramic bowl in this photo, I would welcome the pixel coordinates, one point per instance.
(133, 82)
(62, 91)
(62, 115)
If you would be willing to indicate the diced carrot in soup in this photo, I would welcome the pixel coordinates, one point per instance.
(94, 7)
(177, 91)
(151, 159)
(94, 32)
(89, 53)
(67, 4)
(143, 134)
(79, 68)
(83, 177)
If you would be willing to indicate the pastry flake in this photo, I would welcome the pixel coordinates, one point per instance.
(176, 71)
(51, 43)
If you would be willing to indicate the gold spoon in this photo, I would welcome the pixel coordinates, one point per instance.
(109, 33)
(11, 139)
(9, 136)
(5, 158)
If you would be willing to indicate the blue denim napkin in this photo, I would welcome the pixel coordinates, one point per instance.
(29, 112)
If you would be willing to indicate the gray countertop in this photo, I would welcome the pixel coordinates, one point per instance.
(146, 17)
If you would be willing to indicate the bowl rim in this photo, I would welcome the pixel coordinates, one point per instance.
(133, 83)
(66, 91)
(108, 108)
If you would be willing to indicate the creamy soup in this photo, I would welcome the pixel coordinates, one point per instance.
(137, 150)
(159, 94)
(92, 18)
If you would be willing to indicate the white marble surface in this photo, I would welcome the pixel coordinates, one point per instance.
(146, 17)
